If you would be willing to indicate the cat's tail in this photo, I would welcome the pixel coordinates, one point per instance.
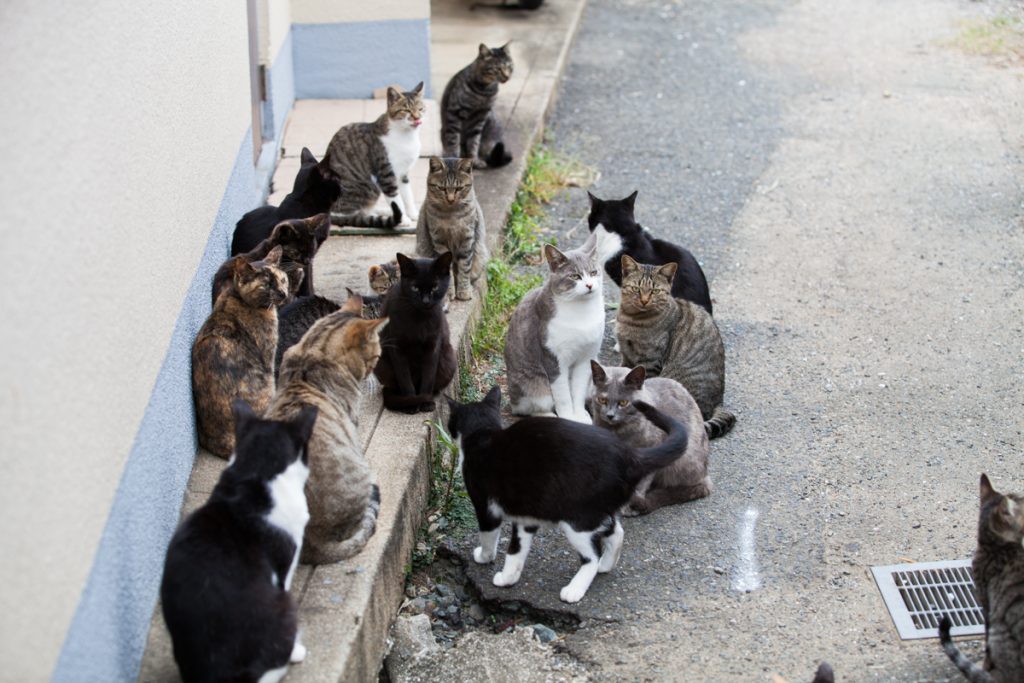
(326, 553)
(498, 156)
(720, 423)
(970, 670)
(668, 451)
(824, 674)
(360, 219)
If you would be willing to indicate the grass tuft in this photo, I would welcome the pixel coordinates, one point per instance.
(1001, 37)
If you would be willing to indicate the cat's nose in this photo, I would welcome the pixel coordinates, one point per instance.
(590, 286)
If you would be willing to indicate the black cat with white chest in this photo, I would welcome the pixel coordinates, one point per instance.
(618, 233)
(549, 471)
(230, 564)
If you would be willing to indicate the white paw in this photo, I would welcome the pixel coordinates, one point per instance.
(480, 556)
(501, 579)
(572, 594)
(298, 653)
(407, 221)
(413, 216)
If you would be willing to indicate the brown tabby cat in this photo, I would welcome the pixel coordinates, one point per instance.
(233, 355)
(383, 275)
(998, 569)
(673, 338)
(326, 370)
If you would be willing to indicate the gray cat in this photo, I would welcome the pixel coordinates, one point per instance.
(453, 221)
(554, 333)
(469, 128)
(614, 397)
(370, 158)
(673, 338)
(998, 569)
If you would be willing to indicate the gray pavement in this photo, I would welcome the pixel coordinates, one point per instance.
(852, 184)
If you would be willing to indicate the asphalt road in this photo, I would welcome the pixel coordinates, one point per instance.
(852, 183)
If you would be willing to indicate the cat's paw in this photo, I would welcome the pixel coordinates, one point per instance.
(480, 556)
(426, 407)
(479, 163)
(501, 579)
(572, 594)
(581, 416)
(630, 511)
(298, 653)
(464, 294)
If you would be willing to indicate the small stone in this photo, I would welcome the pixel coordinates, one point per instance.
(443, 590)
(718, 570)
(543, 633)
(916, 525)
(477, 612)
(410, 591)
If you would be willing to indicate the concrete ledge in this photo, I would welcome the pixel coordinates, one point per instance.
(347, 609)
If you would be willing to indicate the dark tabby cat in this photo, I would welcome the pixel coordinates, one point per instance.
(673, 338)
(614, 399)
(295, 319)
(452, 221)
(370, 158)
(618, 233)
(233, 355)
(469, 128)
(299, 239)
(418, 360)
(326, 370)
(229, 566)
(552, 471)
(314, 191)
(998, 569)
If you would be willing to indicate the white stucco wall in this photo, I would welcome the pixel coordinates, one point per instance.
(275, 22)
(121, 124)
(332, 11)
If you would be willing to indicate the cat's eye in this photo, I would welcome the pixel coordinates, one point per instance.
(575, 276)
(602, 400)
(623, 404)
(414, 288)
(435, 288)
(593, 273)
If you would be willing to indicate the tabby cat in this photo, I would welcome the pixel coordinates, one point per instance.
(233, 354)
(326, 370)
(553, 334)
(998, 569)
(673, 338)
(229, 567)
(452, 221)
(418, 360)
(469, 128)
(382, 276)
(614, 399)
(618, 233)
(370, 158)
(294, 319)
(550, 471)
(299, 239)
(314, 191)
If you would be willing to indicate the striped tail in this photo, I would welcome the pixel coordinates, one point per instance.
(720, 423)
(327, 553)
(369, 220)
(970, 670)
(824, 674)
(498, 156)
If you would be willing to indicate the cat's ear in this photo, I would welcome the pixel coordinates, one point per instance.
(985, 488)
(597, 372)
(376, 326)
(302, 423)
(436, 164)
(629, 266)
(353, 304)
(243, 414)
(466, 166)
(274, 257)
(485, 51)
(284, 232)
(504, 48)
(631, 199)
(452, 403)
(406, 266)
(493, 397)
(240, 265)
(443, 264)
(393, 95)
(418, 89)
(590, 246)
(635, 378)
(555, 258)
(307, 157)
(321, 227)
(668, 271)
(594, 201)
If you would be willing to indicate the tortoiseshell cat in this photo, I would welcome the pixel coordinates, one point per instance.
(673, 338)
(998, 569)
(452, 221)
(370, 158)
(469, 128)
(418, 361)
(233, 354)
(325, 370)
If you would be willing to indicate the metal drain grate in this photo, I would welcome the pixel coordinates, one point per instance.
(918, 594)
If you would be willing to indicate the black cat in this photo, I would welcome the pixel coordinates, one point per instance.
(418, 360)
(230, 564)
(622, 235)
(549, 470)
(314, 191)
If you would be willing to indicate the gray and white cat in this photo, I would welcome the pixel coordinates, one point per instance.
(370, 158)
(998, 569)
(469, 128)
(453, 221)
(554, 333)
(673, 338)
(614, 397)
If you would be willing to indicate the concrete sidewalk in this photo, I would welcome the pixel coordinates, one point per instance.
(347, 608)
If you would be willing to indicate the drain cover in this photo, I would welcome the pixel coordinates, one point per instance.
(918, 594)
